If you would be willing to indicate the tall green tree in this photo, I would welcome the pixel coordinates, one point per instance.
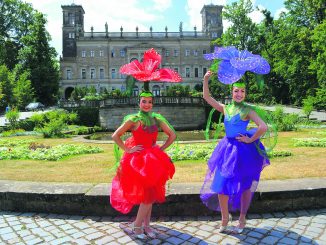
(40, 60)
(293, 47)
(15, 18)
(23, 92)
(318, 65)
(306, 13)
(6, 86)
(243, 30)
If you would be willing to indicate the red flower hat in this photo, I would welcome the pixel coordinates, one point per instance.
(147, 70)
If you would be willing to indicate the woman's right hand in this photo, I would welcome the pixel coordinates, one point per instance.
(136, 148)
(207, 75)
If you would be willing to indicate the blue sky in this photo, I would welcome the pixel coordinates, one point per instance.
(141, 13)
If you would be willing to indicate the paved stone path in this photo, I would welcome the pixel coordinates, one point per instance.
(299, 227)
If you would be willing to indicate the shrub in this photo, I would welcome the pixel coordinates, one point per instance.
(53, 123)
(204, 151)
(310, 142)
(32, 150)
(308, 106)
(12, 116)
(12, 132)
(285, 122)
(280, 153)
(82, 130)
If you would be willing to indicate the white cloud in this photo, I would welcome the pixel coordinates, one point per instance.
(162, 5)
(257, 16)
(278, 12)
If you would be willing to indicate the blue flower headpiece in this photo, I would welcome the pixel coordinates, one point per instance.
(235, 63)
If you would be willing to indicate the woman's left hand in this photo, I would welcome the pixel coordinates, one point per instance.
(244, 139)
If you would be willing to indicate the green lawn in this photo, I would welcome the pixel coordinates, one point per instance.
(95, 168)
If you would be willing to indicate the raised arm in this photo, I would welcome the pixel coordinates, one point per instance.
(206, 94)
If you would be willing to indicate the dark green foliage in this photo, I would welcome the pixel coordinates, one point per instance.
(39, 58)
(293, 44)
(178, 90)
(87, 116)
(25, 50)
(27, 125)
(320, 99)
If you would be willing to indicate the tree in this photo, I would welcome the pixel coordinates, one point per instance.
(306, 13)
(40, 59)
(243, 31)
(16, 16)
(318, 65)
(23, 92)
(6, 86)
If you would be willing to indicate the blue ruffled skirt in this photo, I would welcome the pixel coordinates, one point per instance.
(233, 168)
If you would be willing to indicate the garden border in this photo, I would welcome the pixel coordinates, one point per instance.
(182, 198)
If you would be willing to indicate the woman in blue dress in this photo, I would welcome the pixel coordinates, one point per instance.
(236, 163)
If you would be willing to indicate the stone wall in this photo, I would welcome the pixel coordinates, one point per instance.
(181, 117)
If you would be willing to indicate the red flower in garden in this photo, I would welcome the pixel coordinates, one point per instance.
(147, 70)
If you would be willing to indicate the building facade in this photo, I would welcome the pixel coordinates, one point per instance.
(94, 58)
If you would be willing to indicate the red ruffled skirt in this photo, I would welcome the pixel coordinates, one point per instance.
(141, 178)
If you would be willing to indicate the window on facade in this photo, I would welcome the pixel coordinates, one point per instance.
(92, 53)
(214, 34)
(112, 53)
(135, 91)
(196, 72)
(69, 74)
(176, 69)
(113, 73)
(195, 52)
(101, 53)
(167, 53)
(92, 73)
(187, 52)
(204, 51)
(101, 73)
(187, 72)
(122, 53)
(83, 73)
(71, 18)
(204, 70)
(71, 35)
(156, 90)
(176, 53)
(83, 53)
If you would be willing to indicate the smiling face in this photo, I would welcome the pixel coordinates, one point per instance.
(146, 104)
(238, 94)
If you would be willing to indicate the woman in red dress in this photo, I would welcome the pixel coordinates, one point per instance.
(144, 167)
